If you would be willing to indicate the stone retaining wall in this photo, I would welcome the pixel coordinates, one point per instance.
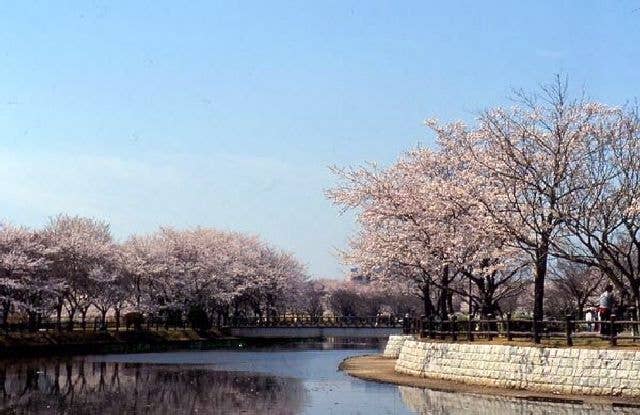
(555, 370)
(394, 344)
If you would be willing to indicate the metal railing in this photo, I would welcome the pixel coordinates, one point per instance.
(320, 321)
(149, 323)
(567, 330)
(160, 322)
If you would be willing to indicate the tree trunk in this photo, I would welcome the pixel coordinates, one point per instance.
(444, 293)
(542, 255)
(59, 313)
(117, 316)
(138, 294)
(426, 300)
(227, 312)
(635, 292)
(71, 312)
(103, 320)
(485, 307)
(6, 309)
(581, 304)
(83, 319)
(33, 321)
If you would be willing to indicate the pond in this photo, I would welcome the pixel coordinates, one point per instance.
(289, 379)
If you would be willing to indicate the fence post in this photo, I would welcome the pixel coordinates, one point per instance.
(454, 328)
(634, 326)
(489, 331)
(470, 328)
(432, 334)
(612, 330)
(406, 324)
(536, 331)
(568, 330)
(509, 335)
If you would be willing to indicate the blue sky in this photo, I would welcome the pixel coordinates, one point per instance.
(227, 114)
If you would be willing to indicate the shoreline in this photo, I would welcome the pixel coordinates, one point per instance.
(380, 369)
(63, 343)
(79, 342)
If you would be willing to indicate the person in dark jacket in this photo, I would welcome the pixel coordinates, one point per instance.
(605, 308)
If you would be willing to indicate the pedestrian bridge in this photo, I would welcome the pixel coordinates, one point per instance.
(320, 327)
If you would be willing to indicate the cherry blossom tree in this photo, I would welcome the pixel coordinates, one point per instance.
(76, 247)
(396, 239)
(23, 281)
(602, 218)
(530, 163)
(421, 223)
(551, 176)
(210, 273)
(145, 267)
(283, 280)
(108, 289)
(572, 286)
(74, 264)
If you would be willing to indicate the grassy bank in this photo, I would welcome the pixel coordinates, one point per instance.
(65, 342)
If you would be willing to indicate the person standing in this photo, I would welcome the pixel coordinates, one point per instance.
(406, 324)
(605, 308)
(589, 317)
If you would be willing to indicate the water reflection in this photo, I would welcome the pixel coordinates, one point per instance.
(284, 380)
(425, 401)
(80, 387)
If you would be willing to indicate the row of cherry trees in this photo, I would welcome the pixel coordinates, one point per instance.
(73, 265)
(497, 204)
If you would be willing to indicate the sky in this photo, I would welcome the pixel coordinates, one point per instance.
(228, 114)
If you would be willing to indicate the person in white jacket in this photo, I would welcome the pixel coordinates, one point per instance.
(589, 317)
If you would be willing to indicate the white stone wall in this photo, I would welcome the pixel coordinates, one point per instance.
(394, 344)
(555, 370)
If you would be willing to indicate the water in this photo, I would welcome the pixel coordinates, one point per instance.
(282, 380)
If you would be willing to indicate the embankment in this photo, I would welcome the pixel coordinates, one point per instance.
(81, 342)
(394, 345)
(382, 369)
(559, 371)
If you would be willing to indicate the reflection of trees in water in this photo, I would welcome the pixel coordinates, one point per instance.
(425, 401)
(79, 387)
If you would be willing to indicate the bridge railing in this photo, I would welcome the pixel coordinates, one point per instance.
(319, 321)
